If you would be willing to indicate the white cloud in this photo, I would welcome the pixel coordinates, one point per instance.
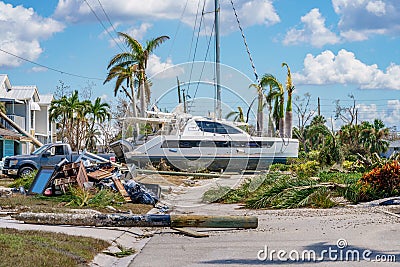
(314, 31)
(376, 7)
(389, 113)
(136, 32)
(139, 33)
(345, 68)
(253, 12)
(21, 32)
(160, 69)
(367, 18)
(367, 112)
(38, 69)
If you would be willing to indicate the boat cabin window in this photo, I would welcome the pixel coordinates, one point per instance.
(216, 127)
(208, 143)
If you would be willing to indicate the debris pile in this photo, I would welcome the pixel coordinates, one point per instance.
(53, 181)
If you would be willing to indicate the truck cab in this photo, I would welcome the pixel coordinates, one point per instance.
(47, 155)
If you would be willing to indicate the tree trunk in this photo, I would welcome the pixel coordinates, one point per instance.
(260, 117)
(134, 111)
(142, 96)
(282, 127)
(288, 124)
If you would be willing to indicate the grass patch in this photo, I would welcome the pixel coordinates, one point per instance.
(37, 248)
(23, 203)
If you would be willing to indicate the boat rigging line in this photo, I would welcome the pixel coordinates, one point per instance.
(245, 43)
(197, 40)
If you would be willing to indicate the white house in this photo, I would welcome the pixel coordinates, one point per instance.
(29, 110)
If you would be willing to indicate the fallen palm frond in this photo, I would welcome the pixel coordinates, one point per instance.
(281, 191)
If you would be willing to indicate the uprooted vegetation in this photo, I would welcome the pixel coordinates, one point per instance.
(308, 185)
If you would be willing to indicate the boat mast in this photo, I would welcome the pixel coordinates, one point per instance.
(217, 61)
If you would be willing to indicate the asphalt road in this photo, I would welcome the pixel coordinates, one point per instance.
(353, 236)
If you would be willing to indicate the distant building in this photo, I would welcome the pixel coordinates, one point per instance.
(394, 147)
(30, 111)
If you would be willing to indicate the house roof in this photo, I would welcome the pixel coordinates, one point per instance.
(7, 134)
(46, 99)
(23, 92)
(5, 84)
(395, 143)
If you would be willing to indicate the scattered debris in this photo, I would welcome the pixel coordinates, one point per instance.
(89, 175)
(190, 232)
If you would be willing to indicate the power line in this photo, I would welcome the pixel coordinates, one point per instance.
(105, 28)
(108, 18)
(50, 68)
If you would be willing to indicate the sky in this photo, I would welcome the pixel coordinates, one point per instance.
(334, 49)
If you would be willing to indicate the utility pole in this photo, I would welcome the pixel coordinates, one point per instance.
(319, 107)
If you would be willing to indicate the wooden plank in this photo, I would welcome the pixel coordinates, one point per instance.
(121, 189)
(81, 177)
(99, 174)
(190, 232)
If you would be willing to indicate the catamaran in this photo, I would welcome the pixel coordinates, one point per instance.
(194, 143)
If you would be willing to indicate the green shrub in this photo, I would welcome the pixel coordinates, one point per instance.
(25, 181)
(279, 167)
(308, 169)
(313, 155)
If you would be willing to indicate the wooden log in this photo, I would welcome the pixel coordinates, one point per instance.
(214, 221)
(148, 220)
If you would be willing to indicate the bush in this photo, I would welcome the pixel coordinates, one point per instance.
(279, 167)
(382, 181)
(313, 155)
(25, 181)
(308, 169)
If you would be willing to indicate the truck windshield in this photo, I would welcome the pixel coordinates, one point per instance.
(40, 150)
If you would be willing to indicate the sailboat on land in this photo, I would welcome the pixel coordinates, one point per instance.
(187, 142)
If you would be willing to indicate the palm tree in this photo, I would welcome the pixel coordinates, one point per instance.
(125, 74)
(238, 116)
(278, 114)
(260, 107)
(372, 135)
(70, 114)
(137, 55)
(289, 113)
(272, 95)
(58, 114)
(99, 112)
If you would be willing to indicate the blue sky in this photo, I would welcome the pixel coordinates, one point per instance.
(334, 48)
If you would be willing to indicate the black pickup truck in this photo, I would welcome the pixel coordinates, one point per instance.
(48, 155)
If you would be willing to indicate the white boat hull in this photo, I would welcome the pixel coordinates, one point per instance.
(214, 153)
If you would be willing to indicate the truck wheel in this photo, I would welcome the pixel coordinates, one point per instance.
(25, 171)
